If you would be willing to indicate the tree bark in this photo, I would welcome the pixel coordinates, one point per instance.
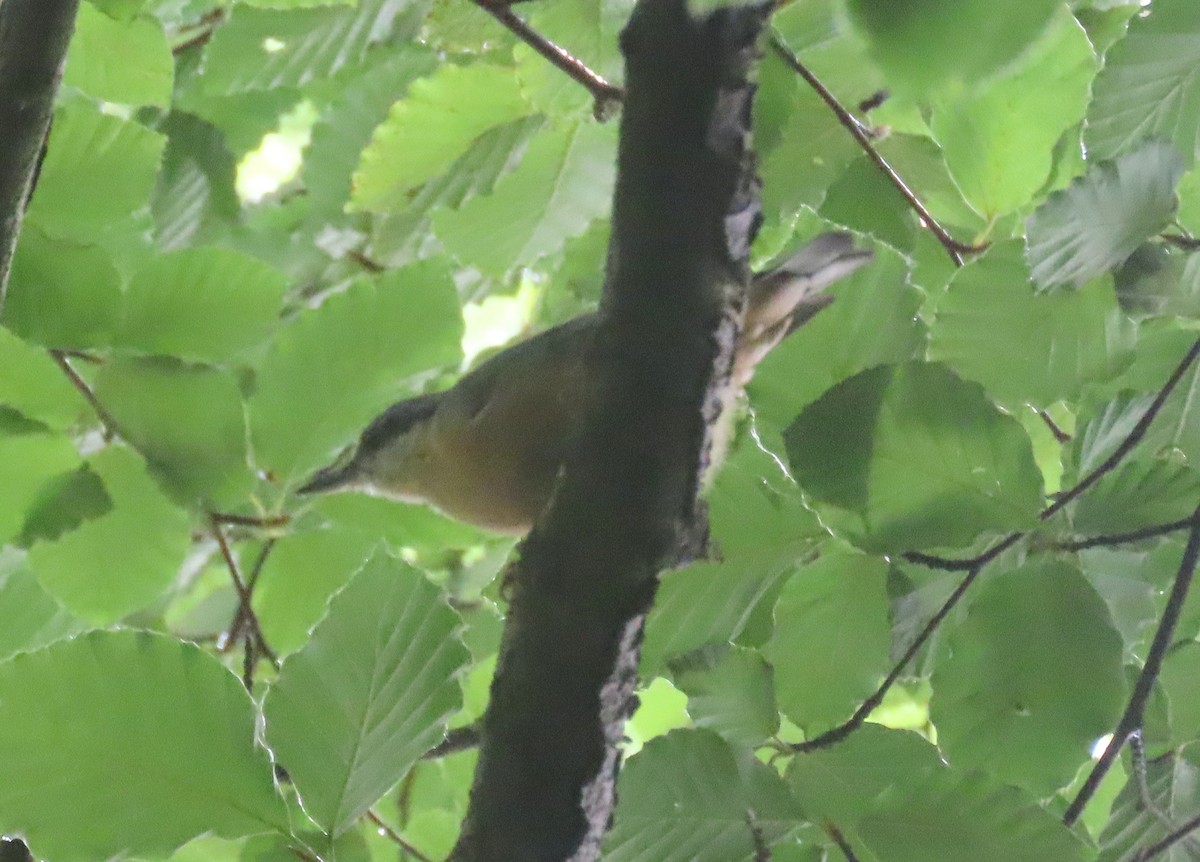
(34, 35)
(685, 211)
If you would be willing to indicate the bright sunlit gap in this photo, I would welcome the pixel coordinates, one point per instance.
(496, 320)
(279, 156)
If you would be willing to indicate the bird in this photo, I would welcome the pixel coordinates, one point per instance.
(487, 451)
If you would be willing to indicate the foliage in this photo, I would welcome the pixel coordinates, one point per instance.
(181, 347)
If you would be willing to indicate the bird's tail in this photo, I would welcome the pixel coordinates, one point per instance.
(785, 297)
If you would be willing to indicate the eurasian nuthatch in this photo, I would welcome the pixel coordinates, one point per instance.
(487, 450)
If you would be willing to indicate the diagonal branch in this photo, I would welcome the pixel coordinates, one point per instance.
(604, 93)
(974, 565)
(1131, 720)
(953, 247)
(1132, 438)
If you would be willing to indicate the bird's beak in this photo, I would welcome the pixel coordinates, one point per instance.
(329, 478)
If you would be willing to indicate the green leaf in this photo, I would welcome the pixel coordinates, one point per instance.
(188, 422)
(683, 798)
(431, 127)
(345, 129)
(1173, 789)
(1180, 679)
(62, 293)
(1139, 493)
(166, 724)
(302, 572)
(1100, 220)
(34, 385)
(1028, 708)
(98, 169)
(564, 181)
(205, 304)
(998, 139)
(830, 647)
(195, 191)
(32, 618)
(1159, 281)
(348, 359)
(909, 456)
(63, 503)
(754, 506)
(847, 781)
(1150, 85)
(120, 61)
(923, 49)
(405, 235)
(369, 694)
(730, 691)
(121, 562)
(28, 462)
(707, 603)
(1068, 339)
(938, 819)
(270, 49)
(873, 320)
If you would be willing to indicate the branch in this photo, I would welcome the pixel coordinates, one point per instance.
(456, 740)
(390, 833)
(1060, 435)
(840, 840)
(858, 131)
(973, 567)
(266, 523)
(1132, 438)
(1131, 720)
(243, 593)
(244, 609)
(603, 93)
(34, 35)
(1187, 243)
(1124, 538)
(1169, 841)
(111, 428)
(626, 503)
(762, 852)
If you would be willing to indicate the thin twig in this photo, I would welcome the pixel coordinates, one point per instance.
(1137, 756)
(947, 564)
(1187, 243)
(1169, 841)
(266, 523)
(858, 131)
(762, 852)
(1124, 538)
(456, 740)
(1132, 438)
(840, 840)
(1060, 435)
(392, 834)
(234, 632)
(604, 93)
(1131, 720)
(974, 565)
(243, 593)
(365, 261)
(106, 419)
(837, 734)
(207, 25)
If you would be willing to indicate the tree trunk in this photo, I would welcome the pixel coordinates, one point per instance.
(684, 214)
